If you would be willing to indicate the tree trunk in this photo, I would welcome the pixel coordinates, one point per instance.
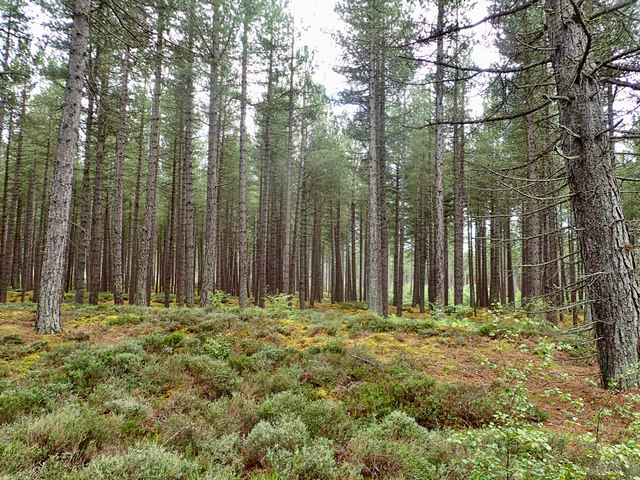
(439, 233)
(48, 313)
(605, 247)
(118, 206)
(13, 224)
(149, 223)
(243, 261)
(95, 243)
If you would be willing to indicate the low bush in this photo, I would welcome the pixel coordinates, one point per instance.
(77, 432)
(146, 462)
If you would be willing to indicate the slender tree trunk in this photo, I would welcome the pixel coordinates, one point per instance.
(118, 202)
(29, 232)
(458, 195)
(288, 284)
(213, 173)
(243, 261)
(149, 223)
(190, 246)
(95, 243)
(439, 229)
(13, 224)
(48, 313)
(133, 276)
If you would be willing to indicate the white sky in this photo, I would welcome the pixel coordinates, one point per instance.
(317, 19)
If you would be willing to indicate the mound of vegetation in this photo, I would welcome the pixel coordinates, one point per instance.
(222, 393)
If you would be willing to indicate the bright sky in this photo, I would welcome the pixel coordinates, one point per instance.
(317, 19)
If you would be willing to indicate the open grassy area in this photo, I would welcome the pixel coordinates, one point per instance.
(336, 392)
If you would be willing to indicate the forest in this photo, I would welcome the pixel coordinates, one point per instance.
(217, 262)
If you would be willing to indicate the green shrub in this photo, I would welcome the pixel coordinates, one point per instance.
(147, 462)
(322, 417)
(219, 346)
(286, 433)
(222, 451)
(18, 401)
(76, 431)
(268, 356)
(216, 374)
(431, 404)
(126, 320)
(316, 461)
(12, 339)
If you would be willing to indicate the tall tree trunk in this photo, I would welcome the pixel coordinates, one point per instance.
(190, 246)
(13, 224)
(118, 205)
(29, 232)
(85, 208)
(439, 238)
(43, 221)
(376, 296)
(243, 261)
(458, 194)
(605, 246)
(133, 275)
(288, 284)
(48, 313)
(213, 171)
(95, 243)
(149, 226)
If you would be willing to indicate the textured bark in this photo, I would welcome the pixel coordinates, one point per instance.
(149, 223)
(439, 246)
(96, 239)
(190, 246)
(13, 224)
(48, 313)
(458, 195)
(213, 173)
(42, 228)
(5, 195)
(605, 247)
(85, 207)
(531, 272)
(288, 285)
(118, 206)
(133, 275)
(376, 296)
(28, 235)
(243, 260)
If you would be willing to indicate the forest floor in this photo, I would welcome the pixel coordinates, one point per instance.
(329, 392)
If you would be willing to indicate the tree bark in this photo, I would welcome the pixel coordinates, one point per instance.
(48, 312)
(605, 247)
(149, 223)
(118, 205)
(243, 260)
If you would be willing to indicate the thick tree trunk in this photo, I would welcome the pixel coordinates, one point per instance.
(48, 313)
(605, 246)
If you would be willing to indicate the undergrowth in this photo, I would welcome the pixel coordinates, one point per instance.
(224, 393)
